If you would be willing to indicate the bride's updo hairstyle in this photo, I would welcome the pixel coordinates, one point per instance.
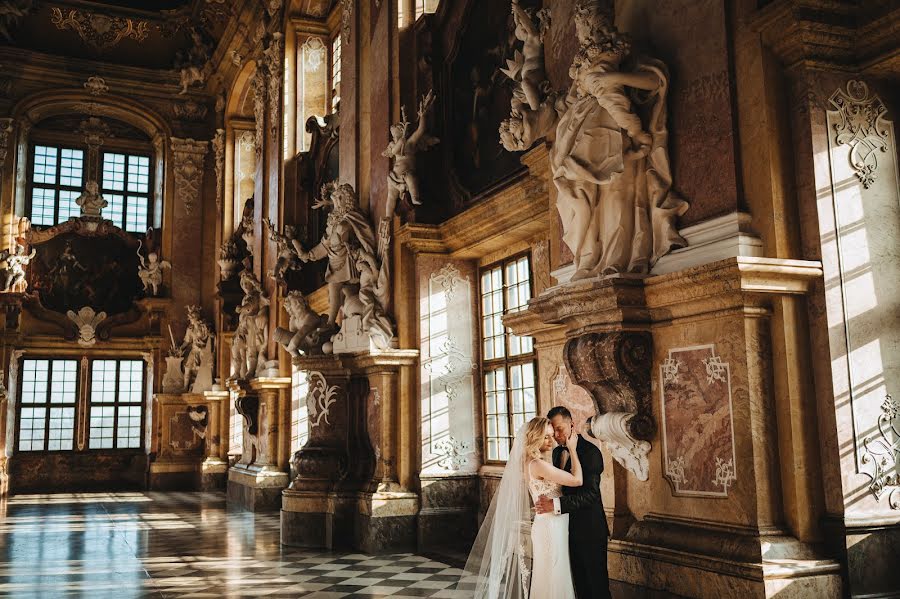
(534, 436)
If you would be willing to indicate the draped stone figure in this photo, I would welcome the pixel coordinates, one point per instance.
(248, 349)
(610, 160)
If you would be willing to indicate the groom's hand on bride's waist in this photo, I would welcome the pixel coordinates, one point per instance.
(544, 505)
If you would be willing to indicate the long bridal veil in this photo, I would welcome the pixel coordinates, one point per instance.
(499, 565)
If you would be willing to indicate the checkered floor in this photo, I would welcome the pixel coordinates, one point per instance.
(130, 545)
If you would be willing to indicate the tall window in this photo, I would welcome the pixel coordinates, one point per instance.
(47, 405)
(235, 428)
(57, 176)
(117, 389)
(421, 7)
(507, 360)
(335, 72)
(126, 186)
(299, 412)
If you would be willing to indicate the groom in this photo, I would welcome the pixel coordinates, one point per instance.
(588, 531)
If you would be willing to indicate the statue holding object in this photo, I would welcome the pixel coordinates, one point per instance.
(403, 148)
(287, 255)
(150, 270)
(12, 267)
(197, 348)
(610, 160)
(248, 349)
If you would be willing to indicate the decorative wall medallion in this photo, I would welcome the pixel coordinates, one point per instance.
(697, 422)
(448, 278)
(95, 131)
(86, 320)
(183, 435)
(451, 367)
(218, 144)
(320, 399)
(188, 156)
(862, 127)
(314, 52)
(453, 453)
(881, 454)
(96, 85)
(99, 31)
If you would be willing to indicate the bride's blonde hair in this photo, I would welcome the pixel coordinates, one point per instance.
(534, 436)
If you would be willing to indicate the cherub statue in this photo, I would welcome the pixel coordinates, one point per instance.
(90, 201)
(195, 66)
(304, 326)
(150, 270)
(530, 62)
(196, 339)
(403, 149)
(12, 266)
(346, 228)
(287, 255)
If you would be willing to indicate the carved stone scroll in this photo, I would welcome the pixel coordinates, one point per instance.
(188, 156)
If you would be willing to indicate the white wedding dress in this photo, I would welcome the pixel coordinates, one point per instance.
(551, 576)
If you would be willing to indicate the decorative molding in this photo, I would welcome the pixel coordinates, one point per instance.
(862, 127)
(95, 131)
(453, 453)
(188, 156)
(87, 321)
(448, 278)
(346, 20)
(273, 59)
(612, 429)
(455, 366)
(881, 454)
(190, 111)
(319, 399)
(6, 129)
(96, 85)
(99, 31)
(258, 85)
(218, 144)
(716, 239)
(314, 53)
(697, 422)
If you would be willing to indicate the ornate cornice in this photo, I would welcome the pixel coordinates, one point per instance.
(100, 31)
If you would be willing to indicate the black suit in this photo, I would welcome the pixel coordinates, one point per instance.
(588, 531)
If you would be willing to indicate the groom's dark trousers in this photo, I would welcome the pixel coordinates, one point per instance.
(588, 531)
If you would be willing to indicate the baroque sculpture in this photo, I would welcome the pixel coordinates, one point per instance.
(248, 349)
(197, 347)
(357, 274)
(287, 255)
(12, 267)
(610, 159)
(305, 327)
(90, 201)
(87, 321)
(194, 66)
(150, 269)
(403, 148)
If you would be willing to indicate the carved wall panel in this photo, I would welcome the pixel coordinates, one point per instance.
(697, 422)
(448, 375)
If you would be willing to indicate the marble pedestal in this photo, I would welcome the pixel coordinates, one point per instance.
(707, 469)
(256, 482)
(345, 494)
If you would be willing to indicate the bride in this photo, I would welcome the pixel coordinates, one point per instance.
(499, 566)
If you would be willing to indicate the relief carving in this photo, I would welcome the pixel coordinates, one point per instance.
(862, 127)
(99, 31)
(188, 156)
(881, 457)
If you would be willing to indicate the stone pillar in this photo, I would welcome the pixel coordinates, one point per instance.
(185, 427)
(255, 483)
(213, 473)
(346, 492)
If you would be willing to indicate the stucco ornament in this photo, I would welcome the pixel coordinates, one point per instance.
(90, 201)
(862, 127)
(612, 429)
(86, 320)
(197, 347)
(284, 245)
(150, 269)
(403, 148)
(188, 157)
(248, 349)
(100, 31)
(610, 159)
(319, 399)
(194, 66)
(881, 457)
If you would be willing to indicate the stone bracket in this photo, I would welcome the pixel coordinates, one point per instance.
(613, 430)
(615, 368)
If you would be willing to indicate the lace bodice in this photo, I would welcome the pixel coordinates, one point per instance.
(538, 487)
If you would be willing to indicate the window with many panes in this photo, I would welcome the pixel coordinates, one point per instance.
(507, 361)
(117, 389)
(47, 403)
(57, 179)
(125, 185)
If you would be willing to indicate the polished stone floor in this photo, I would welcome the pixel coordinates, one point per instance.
(129, 545)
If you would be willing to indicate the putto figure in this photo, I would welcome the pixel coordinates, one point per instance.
(150, 269)
(610, 159)
(287, 256)
(304, 326)
(403, 149)
(12, 267)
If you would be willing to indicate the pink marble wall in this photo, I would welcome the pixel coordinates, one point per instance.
(697, 424)
(574, 398)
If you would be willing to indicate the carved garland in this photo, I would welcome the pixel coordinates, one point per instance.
(320, 399)
(218, 144)
(188, 156)
(100, 31)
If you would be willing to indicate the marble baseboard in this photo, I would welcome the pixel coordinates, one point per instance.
(255, 489)
(300, 529)
(389, 534)
(213, 481)
(447, 528)
(870, 549)
(175, 481)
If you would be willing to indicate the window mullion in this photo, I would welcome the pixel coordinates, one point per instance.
(47, 405)
(115, 439)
